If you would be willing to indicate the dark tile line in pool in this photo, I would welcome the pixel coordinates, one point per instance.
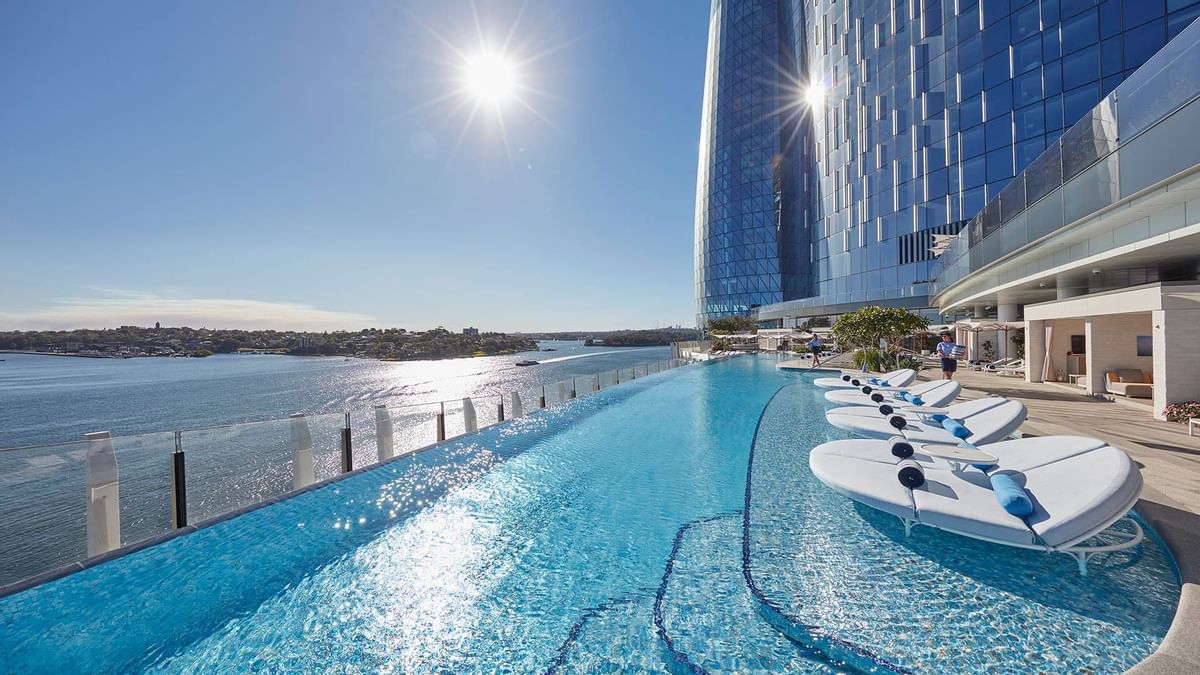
(808, 635)
(677, 659)
(564, 649)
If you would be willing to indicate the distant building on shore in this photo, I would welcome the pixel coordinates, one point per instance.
(470, 331)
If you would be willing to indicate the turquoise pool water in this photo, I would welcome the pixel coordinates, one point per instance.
(621, 532)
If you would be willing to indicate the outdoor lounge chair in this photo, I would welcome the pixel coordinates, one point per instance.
(935, 393)
(984, 420)
(1015, 367)
(1129, 382)
(896, 378)
(1074, 488)
(991, 366)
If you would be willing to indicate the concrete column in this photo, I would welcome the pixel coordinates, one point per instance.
(1035, 350)
(103, 495)
(1092, 328)
(1176, 366)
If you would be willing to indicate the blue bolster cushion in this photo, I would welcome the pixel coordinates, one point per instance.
(955, 428)
(939, 418)
(1011, 496)
(907, 396)
(873, 380)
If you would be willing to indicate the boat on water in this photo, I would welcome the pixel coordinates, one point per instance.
(527, 363)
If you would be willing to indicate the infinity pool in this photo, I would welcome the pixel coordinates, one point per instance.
(628, 531)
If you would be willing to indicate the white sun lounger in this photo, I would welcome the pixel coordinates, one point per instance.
(1079, 487)
(936, 393)
(896, 378)
(987, 419)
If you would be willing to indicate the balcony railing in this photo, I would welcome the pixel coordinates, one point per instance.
(1117, 150)
(63, 503)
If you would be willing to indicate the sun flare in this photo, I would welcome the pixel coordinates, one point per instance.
(490, 78)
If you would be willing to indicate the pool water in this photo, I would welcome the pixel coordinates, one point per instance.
(621, 532)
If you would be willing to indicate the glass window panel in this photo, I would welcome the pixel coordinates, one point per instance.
(999, 100)
(1051, 45)
(1000, 164)
(1054, 114)
(970, 52)
(996, 69)
(1179, 20)
(972, 141)
(1052, 77)
(1027, 88)
(1110, 18)
(1029, 150)
(1077, 102)
(1110, 57)
(1138, 12)
(1025, 22)
(1169, 80)
(1108, 84)
(1030, 121)
(972, 198)
(974, 172)
(1092, 190)
(968, 22)
(970, 112)
(970, 82)
(996, 38)
(999, 131)
(1173, 5)
(1050, 12)
(1070, 8)
(1080, 31)
(1081, 67)
(1027, 55)
(1142, 42)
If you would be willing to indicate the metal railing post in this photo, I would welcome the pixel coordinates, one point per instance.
(542, 400)
(441, 422)
(574, 389)
(178, 485)
(104, 495)
(347, 448)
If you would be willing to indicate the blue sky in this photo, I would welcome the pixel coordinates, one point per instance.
(309, 165)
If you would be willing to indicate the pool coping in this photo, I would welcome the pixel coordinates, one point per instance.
(80, 565)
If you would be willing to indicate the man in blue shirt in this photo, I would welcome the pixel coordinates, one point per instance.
(816, 345)
(946, 349)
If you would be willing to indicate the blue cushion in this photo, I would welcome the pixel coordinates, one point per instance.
(907, 396)
(1011, 496)
(939, 418)
(956, 428)
(917, 400)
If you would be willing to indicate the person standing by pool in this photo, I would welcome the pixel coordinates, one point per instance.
(949, 353)
(816, 345)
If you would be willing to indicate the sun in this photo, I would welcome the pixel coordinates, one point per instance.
(490, 78)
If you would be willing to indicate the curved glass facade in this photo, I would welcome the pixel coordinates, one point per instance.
(930, 108)
(752, 246)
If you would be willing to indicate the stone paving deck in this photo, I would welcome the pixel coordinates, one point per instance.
(1170, 462)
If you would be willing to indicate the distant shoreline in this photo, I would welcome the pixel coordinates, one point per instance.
(259, 353)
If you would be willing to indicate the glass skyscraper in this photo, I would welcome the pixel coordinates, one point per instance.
(838, 136)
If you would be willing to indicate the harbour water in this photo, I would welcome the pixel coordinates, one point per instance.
(52, 399)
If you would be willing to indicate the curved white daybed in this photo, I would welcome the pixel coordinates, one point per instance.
(896, 378)
(1077, 488)
(936, 393)
(986, 420)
